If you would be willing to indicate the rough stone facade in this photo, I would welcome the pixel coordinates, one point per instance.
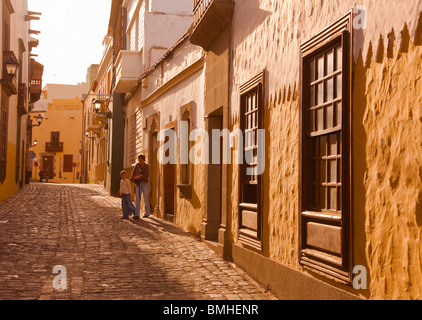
(389, 157)
(386, 129)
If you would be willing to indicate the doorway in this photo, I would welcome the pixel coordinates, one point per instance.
(48, 166)
(155, 190)
(169, 187)
(213, 209)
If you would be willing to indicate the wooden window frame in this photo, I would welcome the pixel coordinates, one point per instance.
(338, 268)
(248, 236)
(54, 134)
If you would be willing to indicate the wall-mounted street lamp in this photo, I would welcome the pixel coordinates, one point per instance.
(98, 104)
(39, 120)
(35, 143)
(88, 137)
(10, 70)
(11, 65)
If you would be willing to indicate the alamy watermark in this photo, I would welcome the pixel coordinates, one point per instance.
(360, 280)
(249, 148)
(60, 281)
(359, 17)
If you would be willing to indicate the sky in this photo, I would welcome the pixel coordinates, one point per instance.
(71, 37)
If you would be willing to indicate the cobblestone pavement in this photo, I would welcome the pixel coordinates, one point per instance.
(79, 227)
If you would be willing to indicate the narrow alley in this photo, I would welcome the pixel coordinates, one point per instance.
(78, 227)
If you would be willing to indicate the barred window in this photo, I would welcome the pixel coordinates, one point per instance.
(324, 129)
(250, 204)
(251, 133)
(325, 171)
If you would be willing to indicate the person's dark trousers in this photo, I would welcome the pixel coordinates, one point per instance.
(127, 205)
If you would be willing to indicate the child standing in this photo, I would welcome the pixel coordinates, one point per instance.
(126, 192)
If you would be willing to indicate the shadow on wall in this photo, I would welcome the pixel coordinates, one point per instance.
(380, 167)
(359, 165)
(419, 202)
(259, 18)
(418, 42)
(194, 201)
(418, 36)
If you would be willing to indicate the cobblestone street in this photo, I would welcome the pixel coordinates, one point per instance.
(79, 227)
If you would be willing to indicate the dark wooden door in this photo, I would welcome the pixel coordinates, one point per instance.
(168, 182)
(169, 189)
(154, 175)
(48, 166)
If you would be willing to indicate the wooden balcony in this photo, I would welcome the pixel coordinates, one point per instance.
(54, 147)
(210, 18)
(128, 70)
(35, 90)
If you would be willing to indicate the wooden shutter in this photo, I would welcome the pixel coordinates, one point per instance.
(68, 163)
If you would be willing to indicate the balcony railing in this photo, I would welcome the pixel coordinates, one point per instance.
(210, 18)
(200, 7)
(54, 146)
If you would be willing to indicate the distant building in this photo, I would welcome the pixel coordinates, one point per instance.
(96, 125)
(59, 138)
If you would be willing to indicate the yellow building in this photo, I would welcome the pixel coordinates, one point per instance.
(59, 138)
(336, 211)
(97, 123)
(326, 204)
(20, 88)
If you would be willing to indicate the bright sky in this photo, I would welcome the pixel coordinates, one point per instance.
(71, 37)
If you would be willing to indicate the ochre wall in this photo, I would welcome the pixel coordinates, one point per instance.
(216, 74)
(10, 187)
(387, 133)
(388, 161)
(280, 179)
(189, 212)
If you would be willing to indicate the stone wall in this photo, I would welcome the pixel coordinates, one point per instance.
(387, 131)
(388, 158)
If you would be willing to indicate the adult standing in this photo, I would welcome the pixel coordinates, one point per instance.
(140, 176)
